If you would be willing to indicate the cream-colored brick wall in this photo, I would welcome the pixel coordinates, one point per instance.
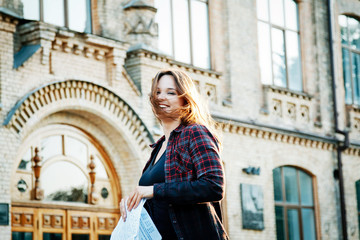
(233, 28)
(268, 155)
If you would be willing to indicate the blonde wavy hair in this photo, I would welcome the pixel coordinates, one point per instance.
(195, 110)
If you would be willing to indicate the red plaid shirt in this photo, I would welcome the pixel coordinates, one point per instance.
(194, 183)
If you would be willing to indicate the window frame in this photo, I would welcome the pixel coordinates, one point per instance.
(66, 14)
(350, 50)
(191, 48)
(357, 191)
(94, 148)
(284, 30)
(286, 206)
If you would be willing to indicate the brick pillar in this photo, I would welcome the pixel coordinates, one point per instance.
(7, 29)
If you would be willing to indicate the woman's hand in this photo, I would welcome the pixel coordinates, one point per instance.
(134, 198)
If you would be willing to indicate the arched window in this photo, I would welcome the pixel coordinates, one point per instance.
(65, 157)
(75, 15)
(294, 204)
(357, 185)
(74, 202)
(350, 42)
(279, 44)
(184, 30)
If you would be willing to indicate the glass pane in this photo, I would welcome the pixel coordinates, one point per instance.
(200, 34)
(343, 27)
(99, 168)
(76, 149)
(264, 53)
(356, 77)
(79, 236)
(293, 224)
(277, 184)
(291, 14)
(291, 186)
(277, 12)
(280, 227)
(306, 189)
(104, 237)
(52, 236)
(88, 27)
(50, 146)
(64, 181)
(262, 7)
(31, 9)
(25, 163)
(54, 12)
(347, 76)
(163, 19)
(354, 33)
(308, 224)
(181, 30)
(357, 185)
(293, 60)
(21, 236)
(79, 15)
(278, 56)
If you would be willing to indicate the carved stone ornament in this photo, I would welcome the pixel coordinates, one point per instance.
(93, 196)
(37, 192)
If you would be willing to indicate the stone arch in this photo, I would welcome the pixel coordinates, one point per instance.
(80, 103)
(299, 167)
(78, 95)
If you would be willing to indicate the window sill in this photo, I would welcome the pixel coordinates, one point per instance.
(287, 92)
(148, 52)
(194, 69)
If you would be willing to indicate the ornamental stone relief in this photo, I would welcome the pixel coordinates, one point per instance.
(292, 107)
(207, 89)
(304, 113)
(210, 93)
(141, 25)
(290, 111)
(276, 108)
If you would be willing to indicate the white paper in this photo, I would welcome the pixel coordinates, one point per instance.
(138, 226)
(147, 230)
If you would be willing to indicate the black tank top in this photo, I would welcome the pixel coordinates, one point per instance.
(158, 210)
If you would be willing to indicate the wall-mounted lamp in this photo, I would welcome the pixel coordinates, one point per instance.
(252, 170)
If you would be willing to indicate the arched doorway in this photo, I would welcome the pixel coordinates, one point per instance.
(63, 200)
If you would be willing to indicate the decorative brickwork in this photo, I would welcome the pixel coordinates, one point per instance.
(85, 93)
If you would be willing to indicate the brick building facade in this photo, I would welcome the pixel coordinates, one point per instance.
(80, 96)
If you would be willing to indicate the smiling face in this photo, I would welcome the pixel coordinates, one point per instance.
(167, 95)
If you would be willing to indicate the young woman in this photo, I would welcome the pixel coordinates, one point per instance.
(184, 178)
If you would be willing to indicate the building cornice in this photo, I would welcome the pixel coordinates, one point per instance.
(281, 134)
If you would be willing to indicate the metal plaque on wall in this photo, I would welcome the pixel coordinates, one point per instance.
(252, 205)
(4, 214)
